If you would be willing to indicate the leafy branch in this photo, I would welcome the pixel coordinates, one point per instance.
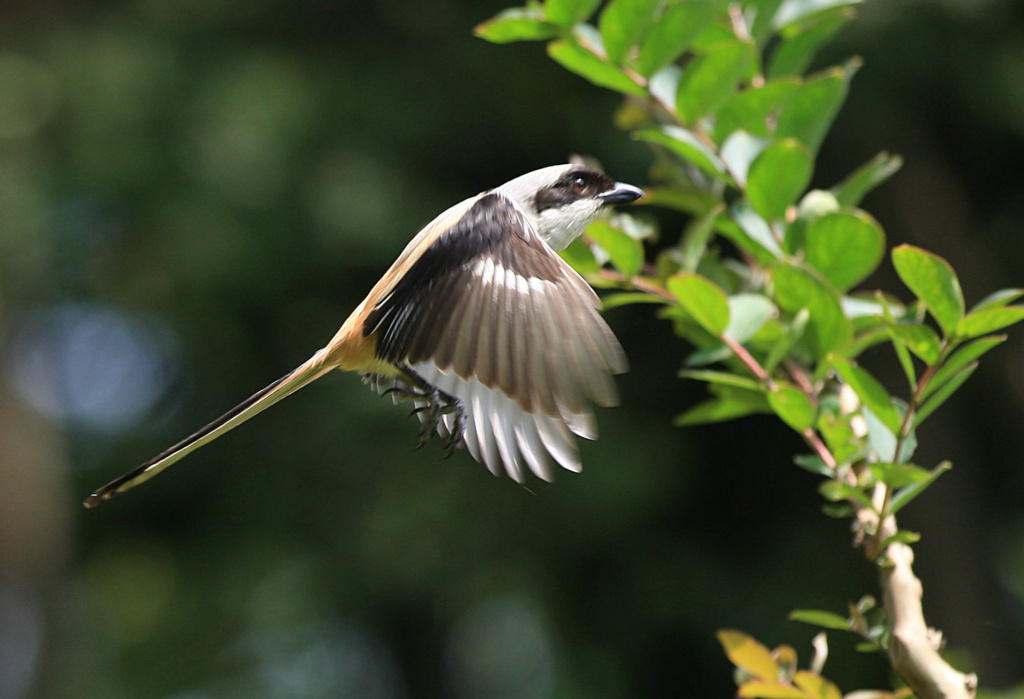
(763, 280)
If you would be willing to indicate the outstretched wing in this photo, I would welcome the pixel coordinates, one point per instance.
(491, 315)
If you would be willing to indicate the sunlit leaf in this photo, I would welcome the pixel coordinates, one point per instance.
(579, 255)
(686, 145)
(673, 32)
(739, 151)
(760, 689)
(853, 189)
(626, 253)
(821, 618)
(834, 491)
(870, 391)
(629, 298)
(703, 300)
(919, 339)
(586, 64)
(749, 654)
(623, 23)
(934, 282)
(747, 315)
(798, 49)
(517, 24)
(731, 406)
(800, 10)
(710, 79)
(987, 321)
(997, 299)
(845, 246)
(695, 238)
(751, 233)
(754, 110)
(898, 475)
(903, 496)
(815, 686)
(809, 112)
(778, 176)
(792, 406)
(567, 12)
(827, 326)
(721, 377)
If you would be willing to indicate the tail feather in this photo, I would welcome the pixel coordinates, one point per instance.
(313, 369)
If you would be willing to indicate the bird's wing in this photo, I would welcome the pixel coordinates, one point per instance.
(490, 314)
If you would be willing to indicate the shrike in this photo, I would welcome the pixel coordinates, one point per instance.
(481, 325)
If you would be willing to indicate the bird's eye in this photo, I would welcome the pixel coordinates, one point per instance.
(579, 185)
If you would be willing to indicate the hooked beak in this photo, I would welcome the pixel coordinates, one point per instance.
(621, 193)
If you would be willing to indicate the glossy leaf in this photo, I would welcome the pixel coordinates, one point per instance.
(738, 152)
(919, 339)
(754, 110)
(934, 282)
(778, 176)
(989, 320)
(810, 110)
(845, 246)
(855, 187)
(673, 32)
(623, 24)
(586, 64)
(904, 496)
(751, 233)
(818, 617)
(747, 315)
(749, 654)
(964, 356)
(792, 406)
(710, 79)
(870, 391)
(997, 299)
(722, 378)
(567, 12)
(517, 24)
(703, 300)
(625, 252)
(628, 298)
(815, 686)
(827, 326)
(798, 49)
(801, 10)
(686, 145)
(579, 255)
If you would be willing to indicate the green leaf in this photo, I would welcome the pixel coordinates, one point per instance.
(810, 110)
(815, 686)
(565, 13)
(882, 440)
(765, 689)
(855, 187)
(586, 64)
(747, 315)
(904, 495)
(919, 339)
(673, 32)
(903, 536)
(792, 406)
(738, 152)
(695, 238)
(517, 24)
(815, 204)
(778, 176)
(754, 110)
(964, 356)
(710, 79)
(941, 394)
(997, 299)
(623, 23)
(626, 253)
(828, 328)
(987, 321)
(580, 257)
(747, 653)
(834, 491)
(798, 49)
(630, 297)
(722, 378)
(814, 464)
(818, 617)
(845, 246)
(687, 146)
(869, 390)
(729, 405)
(793, 11)
(751, 233)
(933, 281)
(703, 300)
(898, 475)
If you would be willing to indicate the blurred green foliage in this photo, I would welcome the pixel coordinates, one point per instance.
(221, 182)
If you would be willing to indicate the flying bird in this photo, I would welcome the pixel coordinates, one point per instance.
(492, 337)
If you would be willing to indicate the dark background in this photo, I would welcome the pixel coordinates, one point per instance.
(193, 196)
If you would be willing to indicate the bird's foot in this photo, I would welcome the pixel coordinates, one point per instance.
(432, 405)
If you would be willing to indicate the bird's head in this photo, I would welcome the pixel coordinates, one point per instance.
(562, 200)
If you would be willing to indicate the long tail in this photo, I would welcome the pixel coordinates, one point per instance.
(313, 369)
